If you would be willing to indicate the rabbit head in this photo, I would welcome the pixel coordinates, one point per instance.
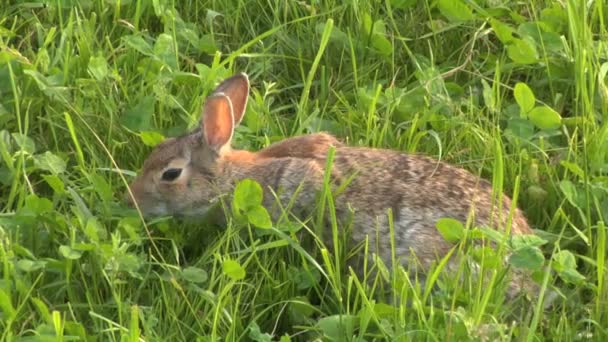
(177, 177)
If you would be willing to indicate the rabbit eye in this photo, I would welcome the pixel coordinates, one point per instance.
(171, 174)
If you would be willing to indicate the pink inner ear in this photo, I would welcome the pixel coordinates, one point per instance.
(218, 121)
(236, 88)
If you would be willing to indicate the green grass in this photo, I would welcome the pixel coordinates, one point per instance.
(86, 87)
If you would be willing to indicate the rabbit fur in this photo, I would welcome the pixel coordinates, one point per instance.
(187, 174)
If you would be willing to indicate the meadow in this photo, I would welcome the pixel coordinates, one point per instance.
(514, 91)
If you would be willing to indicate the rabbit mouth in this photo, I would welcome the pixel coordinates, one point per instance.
(159, 209)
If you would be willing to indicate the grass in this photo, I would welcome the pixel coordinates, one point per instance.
(514, 91)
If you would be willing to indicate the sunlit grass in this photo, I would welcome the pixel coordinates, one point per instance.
(86, 87)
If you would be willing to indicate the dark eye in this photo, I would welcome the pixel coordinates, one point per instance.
(171, 174)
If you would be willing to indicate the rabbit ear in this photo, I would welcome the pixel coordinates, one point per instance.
(236, 88)
(217, 121)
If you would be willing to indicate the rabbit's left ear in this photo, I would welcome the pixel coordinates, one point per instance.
(217, 121)
(236, 88)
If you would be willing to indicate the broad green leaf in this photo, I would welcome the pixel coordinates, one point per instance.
(541, 34)
(49, 85)
(486, 256)
(139, 116)
(537, 193)
(527, 240)
(569, 190)
(92, 229)
(102, 187)
(564, 263)
(38, 205)
(338, 327)
(431, 77)
(25, 143)
(524, 97)
(83, 247)
(6, 56)
(41, 81)
(165, 50)
(132, 225)
(521, 128)
(206, 44)
(255, 334)
(27, 265)
(259, 217)
(452, 230)
(98, 67)
(139, 44)
(489, 234)
(574, 168)
(502, 30)
(151, 138)
(22, 251)
(50, 162)
(187, 34)
(6, 176)
(366, 22)
(564, 259)
(455, 10)
(69, 253)
(527, 257)
(555, 17)
(128, 262)
(301, 308)
(233, 269)
(522, 52)
(211, 15)
(80, 208)
(195, 275)
(77, 331)
(381, 44)
(303, 278)
(336, 36)
(247, 194)
(379, 27)
(55, 183)
(571, 276)
(488, 96)
(545, 118)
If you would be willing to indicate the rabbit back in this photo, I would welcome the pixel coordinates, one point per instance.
(418, 190)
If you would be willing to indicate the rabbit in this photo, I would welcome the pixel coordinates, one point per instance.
(188, 174)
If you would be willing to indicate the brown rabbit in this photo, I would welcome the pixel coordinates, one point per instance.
(185, 175)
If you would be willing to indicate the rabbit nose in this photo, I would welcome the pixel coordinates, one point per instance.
(134, 193)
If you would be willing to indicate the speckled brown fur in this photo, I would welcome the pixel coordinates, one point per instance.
(418, 190)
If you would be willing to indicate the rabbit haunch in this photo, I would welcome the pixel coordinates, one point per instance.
(418, 190)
